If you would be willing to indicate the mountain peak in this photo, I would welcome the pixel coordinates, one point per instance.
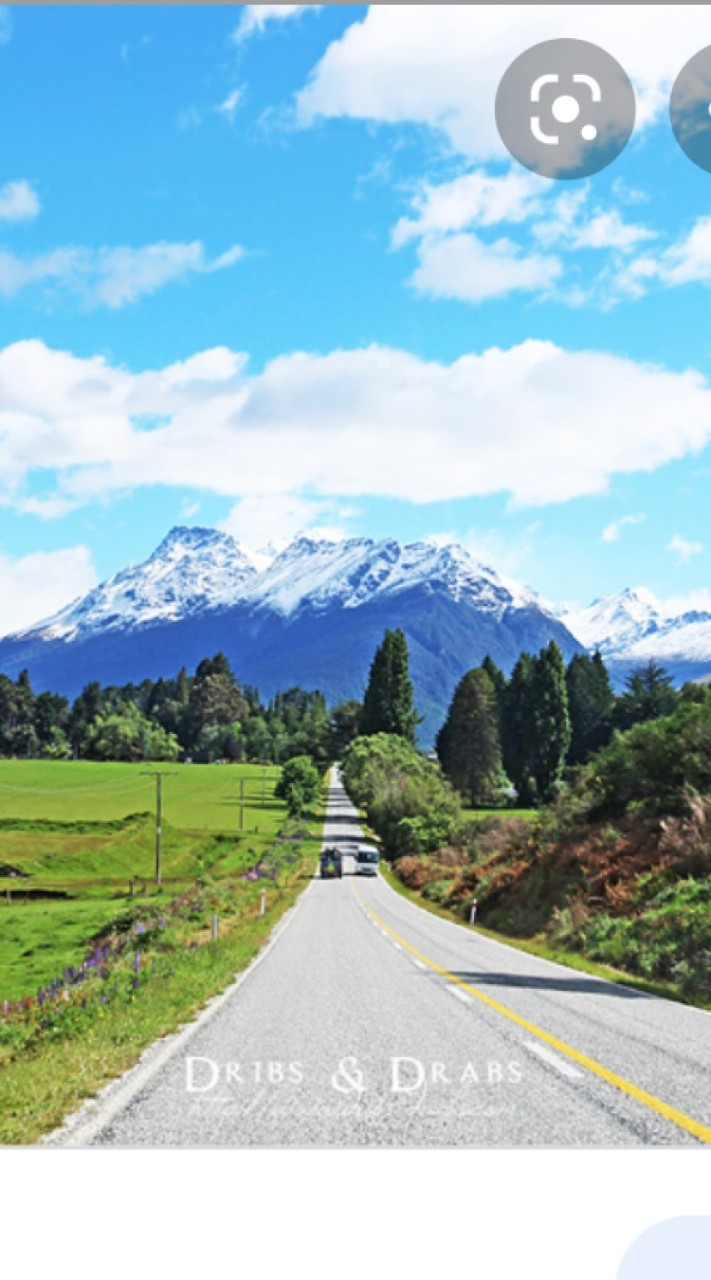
(196, 569)
(189, 538)
(614, 622)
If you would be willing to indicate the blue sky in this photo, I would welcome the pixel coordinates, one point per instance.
(270, 268)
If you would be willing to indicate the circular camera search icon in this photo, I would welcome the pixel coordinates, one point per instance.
(565, 109)
(690, 109)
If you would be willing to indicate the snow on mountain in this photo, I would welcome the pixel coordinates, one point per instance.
(192, 570)
(202, 572)
(320, 574)
(634, 626)
(613, 623)
(196, 570)
(684, 639)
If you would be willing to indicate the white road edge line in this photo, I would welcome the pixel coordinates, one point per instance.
(553, 1060)
(80, 1127)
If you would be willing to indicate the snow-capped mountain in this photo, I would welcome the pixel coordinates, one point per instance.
(633, 627)
(191, 571)
(194, 571)
(310, 614)
(614, 623)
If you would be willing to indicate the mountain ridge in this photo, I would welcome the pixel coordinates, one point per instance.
(313, 612)
(313, 615)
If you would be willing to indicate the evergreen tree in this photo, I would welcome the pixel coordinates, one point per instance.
(468, 743)
(591, 703)
(649, 694)
(498, 680)
(388, 701)
(551, 719)
(518, 729)
(345, 725)
(495, 674)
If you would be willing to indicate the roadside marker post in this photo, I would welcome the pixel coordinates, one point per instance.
(472, 913)
(214, 926)
(263, 902)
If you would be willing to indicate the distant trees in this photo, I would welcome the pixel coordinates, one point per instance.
(591, 704)
(523, 730)
(660, 766)
(649, 693)
(549, 717)
(388, 703)
(299, 784)
(551, 726)
(206, 716)
(345, 724)
(408, 802)
(127, 735)
(536, 727)
(468, 744)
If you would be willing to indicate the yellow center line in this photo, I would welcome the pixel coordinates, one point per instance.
(694, 1127)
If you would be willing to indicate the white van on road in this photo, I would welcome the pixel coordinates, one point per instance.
(366, 860)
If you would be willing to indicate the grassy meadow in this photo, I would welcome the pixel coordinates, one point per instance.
(96, 959)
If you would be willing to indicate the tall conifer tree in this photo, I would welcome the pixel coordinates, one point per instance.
(388, 705)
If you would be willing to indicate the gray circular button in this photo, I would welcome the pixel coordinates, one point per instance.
(565, 108)
(690, 109)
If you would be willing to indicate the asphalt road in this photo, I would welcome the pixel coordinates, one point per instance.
(370, 1022)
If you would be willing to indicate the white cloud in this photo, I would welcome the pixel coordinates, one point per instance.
(603, 229)
(230, 104)
(5, 23)
(612, 532)
(456, 263)
(686, 262)
(607, 230)
(256, 17)
(19, 202)
(536, 422)
(471, 270)
(473, 199)
(694, 601)
(511, 554)
(690, 260)
(262, 519)
(110, 277)
(37, 585)
(440, 65)
(683, 549)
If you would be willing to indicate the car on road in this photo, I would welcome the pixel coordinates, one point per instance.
(331, 863)
(366, 860)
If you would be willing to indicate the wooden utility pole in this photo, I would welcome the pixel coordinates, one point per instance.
(159, 776)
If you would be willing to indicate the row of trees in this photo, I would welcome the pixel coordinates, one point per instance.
(526, 730)
(202, 717)
(499, 733)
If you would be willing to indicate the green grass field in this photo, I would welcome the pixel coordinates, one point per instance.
(96, 959)
(196, 797)
(74, 835)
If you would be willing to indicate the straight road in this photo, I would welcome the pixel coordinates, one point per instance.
(370, 1022)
